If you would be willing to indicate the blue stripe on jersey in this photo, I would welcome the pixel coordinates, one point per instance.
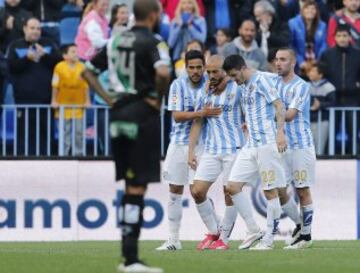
(259, 119)
(237, 119)
(225, 134)
(228, 120)
(259, 93)
(182, 98)
(295, 94)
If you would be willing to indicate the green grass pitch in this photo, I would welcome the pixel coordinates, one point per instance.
(102, 257)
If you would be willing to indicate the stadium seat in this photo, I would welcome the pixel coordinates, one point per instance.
(68, 30)
(71, 17)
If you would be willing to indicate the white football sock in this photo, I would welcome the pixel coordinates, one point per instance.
(291, 210)
(272, 219)
(306, 217)
(242, 204)
(207, 214)
(228, 223)
(174, 215)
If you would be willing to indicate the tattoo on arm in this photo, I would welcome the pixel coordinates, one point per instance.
(280, 114)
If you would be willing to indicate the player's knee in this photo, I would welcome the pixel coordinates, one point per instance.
(283, 196)
(136, 190)
(198, 194)
(304, 195)
(176, 189)
(233, 188)
(271, 194)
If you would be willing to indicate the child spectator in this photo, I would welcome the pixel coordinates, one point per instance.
(70, 89)
(322, 96)
(223, 36)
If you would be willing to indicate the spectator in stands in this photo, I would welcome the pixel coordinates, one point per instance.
(170, 7)
(223, 37)
(12, 18)
(307, 36)
(119, 18)
(188, 25)
(348, 15)
(31, 62)
(93, 32)
(180, 64)
(343, 67)
(245, 45)
(49, 13)
(272, 33)
(79, 3)
(322, 96)
(70, 89)
(290, 8)
(227, 14)
(271, 58)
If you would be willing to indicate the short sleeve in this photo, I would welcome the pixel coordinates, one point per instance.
(176, 98)
(301, 97)
(55, 82)
(160, 54)
(99, 63)
(267, 88)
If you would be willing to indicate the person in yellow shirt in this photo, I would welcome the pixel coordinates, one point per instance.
(70, 89)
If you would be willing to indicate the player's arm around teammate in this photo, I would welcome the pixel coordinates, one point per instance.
(183, 94)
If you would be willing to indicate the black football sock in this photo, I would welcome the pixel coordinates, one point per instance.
(131, 219)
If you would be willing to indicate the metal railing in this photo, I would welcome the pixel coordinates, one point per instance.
(33, 130)
(343, 131)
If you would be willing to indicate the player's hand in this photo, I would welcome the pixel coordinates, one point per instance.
(192, 160)
(209, 111)
(281, 141)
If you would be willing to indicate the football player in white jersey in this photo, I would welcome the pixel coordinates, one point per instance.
(184, 92)
(224, 139)
(261, 155)
(300, 158)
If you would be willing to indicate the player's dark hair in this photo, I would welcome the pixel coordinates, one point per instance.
(234, 62)
(192, 55)
(343, 28)
(142, 8)
(65, 48)
(289, 49)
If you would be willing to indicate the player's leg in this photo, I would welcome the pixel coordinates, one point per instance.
(131, 219)
(244, 169)
(287, 202)
(304, 177)
(175, 173)
(174, 218)
(272, 176)
(230, 214)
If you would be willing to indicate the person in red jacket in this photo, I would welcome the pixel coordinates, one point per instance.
(348, 15)
(169, 7)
